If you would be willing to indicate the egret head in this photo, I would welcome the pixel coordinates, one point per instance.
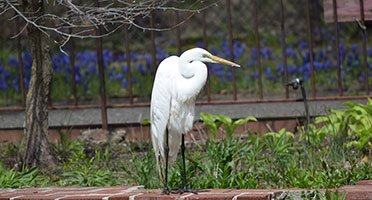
(206, 57)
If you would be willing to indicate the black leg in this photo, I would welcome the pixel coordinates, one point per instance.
(177, 191)
(183, 162)
(166, 190)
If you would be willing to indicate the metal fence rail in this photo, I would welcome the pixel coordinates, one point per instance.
(254, 24)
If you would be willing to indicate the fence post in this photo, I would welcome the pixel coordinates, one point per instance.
(127, 51)
(337, 48)
(205, 42)
(20, 64)
(284, 48)
(366, 70)
(257, 48)
(101, 75)
(72, 66)
(310, 35)
(153, 46)
(178, 33)
(228, 15)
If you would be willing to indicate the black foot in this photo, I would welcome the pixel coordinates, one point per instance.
(181, 191)
(166, 191)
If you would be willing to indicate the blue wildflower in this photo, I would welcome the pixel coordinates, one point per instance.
(229, 76)
(354, 48)
(78, 78)
(254, 53)
(134, 80)
(124, 68)
(343, 76)
(220, 74)
(280, 67)
(369, 52)
(323, 31)
(316, 31)
(361, 78)
(250, 64)
(356, 63)
(26, 80)
(148, 60)
(216, 67)
(133, 56)
(142, 70)
(13, 61)
(329, 48)
(3, 85)
(254, 74)
(200, 44)
(119, 76)
(124, 83)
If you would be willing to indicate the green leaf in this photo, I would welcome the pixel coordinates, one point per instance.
(146, 122)
(209, 121)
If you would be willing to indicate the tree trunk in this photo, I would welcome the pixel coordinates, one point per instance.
(38, 151)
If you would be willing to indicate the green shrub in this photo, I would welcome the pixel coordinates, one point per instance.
(335, 156)
(81, 170)
(354, 122)
(14, 179)
(65, 146)
(143, 170)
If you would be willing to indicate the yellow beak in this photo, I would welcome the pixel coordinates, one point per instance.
(223, 61)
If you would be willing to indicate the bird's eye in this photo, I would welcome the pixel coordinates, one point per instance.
(205, 56)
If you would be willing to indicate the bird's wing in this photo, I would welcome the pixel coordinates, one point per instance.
(160, 104)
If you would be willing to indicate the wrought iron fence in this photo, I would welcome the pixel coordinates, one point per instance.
(285, 37)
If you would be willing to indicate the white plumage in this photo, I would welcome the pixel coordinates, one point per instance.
(177, 82)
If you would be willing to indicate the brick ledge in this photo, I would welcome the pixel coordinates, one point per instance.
(363, 190)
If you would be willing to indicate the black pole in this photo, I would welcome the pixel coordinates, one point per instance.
(306, 106)
(299, 82)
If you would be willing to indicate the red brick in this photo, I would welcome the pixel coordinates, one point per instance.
(122, 196)
(365, 182)
(363, 190)
(357, 191)
(255, 197)
(65, 192)
(356, 188)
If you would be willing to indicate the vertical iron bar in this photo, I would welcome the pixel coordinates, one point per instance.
(310, 35)
(205, 42)
(364, 31)
(178, 33)
(228, 15)
(127, 51)
(257, 48)
(284, 48)
(153, 47)
(72, 66)
(101, 75)
(306, 111)
(20, 64)
(337, 48)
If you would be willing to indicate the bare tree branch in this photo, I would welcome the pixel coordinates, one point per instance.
(84, 18)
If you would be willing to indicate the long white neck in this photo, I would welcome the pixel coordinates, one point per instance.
(193, 75)
(186, 68)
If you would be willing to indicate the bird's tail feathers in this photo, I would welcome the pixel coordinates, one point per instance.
(159, 165)
(158, 156)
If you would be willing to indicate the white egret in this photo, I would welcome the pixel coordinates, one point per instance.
(177, 82)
